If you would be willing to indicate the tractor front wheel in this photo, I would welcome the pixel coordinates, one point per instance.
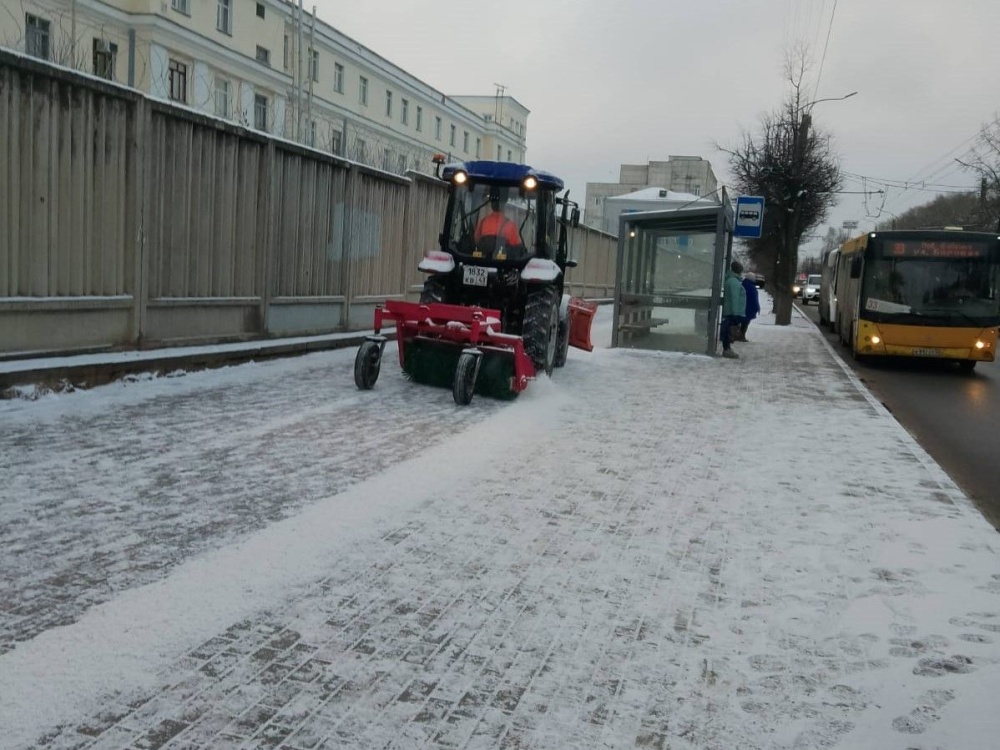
(541, 328)
(435, 290)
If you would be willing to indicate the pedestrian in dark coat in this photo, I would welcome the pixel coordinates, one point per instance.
(753, 303)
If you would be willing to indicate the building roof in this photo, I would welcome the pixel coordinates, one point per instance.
(661, 194)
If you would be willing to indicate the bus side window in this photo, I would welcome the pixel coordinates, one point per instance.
(856, 267)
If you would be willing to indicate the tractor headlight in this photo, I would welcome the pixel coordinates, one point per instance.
(980, 344)
(530, 183)
(460, 177)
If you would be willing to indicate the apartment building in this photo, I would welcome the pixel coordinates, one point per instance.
(267, 66)
(690, 175)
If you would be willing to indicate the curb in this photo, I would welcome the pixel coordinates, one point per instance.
(64, 374)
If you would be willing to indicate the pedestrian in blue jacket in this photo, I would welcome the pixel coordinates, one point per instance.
(734, 306)
(753, 303)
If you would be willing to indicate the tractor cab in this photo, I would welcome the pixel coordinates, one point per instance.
(502, 215)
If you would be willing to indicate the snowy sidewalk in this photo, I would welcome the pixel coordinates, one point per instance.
(649, 550)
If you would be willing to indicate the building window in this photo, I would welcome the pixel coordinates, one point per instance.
(263, 55)
(181, 6)
(451, 138)
(437, 128)
(311, 134)
(387, 160)
(360, 150)
(105, 54)
(508, 155)
(488, 118)
(465, 141)
(314, 64)
(404, 111)
(498, 153)
(286, 53)
(223, 97)
(338, 78)
(479, 144)
(402, 163)
(388, 104)
(224, 17)
(363, 92)
(420, 119)
(260, 10)
(37, 32)
(336, 141)
(178, 73)
(260, 112)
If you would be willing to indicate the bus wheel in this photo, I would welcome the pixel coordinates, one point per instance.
(966, 366)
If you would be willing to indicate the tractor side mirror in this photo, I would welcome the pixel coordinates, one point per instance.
(571, 263)
(574, 218)
(856, 267)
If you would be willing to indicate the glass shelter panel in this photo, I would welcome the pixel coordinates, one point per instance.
(669, 282)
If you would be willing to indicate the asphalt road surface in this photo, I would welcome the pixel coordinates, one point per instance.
(955, 417)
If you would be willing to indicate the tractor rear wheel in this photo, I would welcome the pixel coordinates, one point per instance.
(435, 290)
(541, 328)
(562, 343)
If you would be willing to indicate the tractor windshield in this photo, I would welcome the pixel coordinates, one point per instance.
(493, 222)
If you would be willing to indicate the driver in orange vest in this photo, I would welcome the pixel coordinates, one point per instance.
(496, 229)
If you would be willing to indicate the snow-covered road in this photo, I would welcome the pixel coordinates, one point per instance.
(650, 550)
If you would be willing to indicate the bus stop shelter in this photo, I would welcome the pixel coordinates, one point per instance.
(668, 285)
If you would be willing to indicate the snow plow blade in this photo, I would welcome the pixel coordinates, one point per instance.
(581, 316)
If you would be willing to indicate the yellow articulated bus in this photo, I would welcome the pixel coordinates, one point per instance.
(920, 293)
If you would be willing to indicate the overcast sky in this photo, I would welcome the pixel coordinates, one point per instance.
(632, 80)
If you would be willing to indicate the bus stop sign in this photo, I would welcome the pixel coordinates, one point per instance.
(749, 216)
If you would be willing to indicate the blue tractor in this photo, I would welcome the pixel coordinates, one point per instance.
(505, 246)
(492, 314)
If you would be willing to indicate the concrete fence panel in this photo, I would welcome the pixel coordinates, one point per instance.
(206, 234)
(308, 293)
(67, 217)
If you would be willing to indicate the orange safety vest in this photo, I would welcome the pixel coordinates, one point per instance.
(498, 225)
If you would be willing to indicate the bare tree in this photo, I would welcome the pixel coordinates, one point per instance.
(792, 165)
(984, 160)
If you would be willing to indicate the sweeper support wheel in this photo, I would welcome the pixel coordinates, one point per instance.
(368, 362)
(464, 386)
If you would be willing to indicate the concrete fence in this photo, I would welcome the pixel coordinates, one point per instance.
(126, 222)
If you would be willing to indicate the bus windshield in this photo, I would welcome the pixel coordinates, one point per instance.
(945, 286)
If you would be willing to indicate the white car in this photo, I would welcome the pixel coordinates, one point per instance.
(810, 290)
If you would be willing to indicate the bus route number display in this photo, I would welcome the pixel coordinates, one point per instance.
(950, 250)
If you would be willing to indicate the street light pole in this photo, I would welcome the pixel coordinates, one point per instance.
(800, 140)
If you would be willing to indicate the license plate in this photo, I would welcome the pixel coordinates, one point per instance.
(927, 352)
(475, 275)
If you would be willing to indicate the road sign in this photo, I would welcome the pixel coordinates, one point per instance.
(749, 216)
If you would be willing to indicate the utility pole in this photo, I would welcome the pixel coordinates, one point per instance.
(800, 138)
(298, 79)
(313, 71)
